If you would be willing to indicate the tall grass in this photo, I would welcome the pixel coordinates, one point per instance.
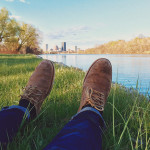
(127, 113)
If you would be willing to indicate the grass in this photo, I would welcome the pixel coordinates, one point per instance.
(127, 114)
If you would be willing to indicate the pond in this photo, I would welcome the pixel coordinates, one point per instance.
(128, 70)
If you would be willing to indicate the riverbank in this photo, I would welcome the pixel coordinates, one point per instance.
(127, 114)
(128, 70)
(134, 46)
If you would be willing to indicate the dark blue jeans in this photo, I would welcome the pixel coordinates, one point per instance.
(82, 132)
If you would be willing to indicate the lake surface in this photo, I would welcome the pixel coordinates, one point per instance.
(127, 69)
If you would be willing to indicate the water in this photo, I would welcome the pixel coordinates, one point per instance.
(127, 69)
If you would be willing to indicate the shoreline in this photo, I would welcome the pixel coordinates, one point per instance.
(128, 89)
(61, 64)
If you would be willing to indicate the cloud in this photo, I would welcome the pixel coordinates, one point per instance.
(14, 16)
(73, 31)
(22, 1)
(9, 0)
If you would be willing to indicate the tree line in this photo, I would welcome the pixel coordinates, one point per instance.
(138, 45)
(17, 36)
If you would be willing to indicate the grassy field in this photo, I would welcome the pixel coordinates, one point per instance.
(127, 114)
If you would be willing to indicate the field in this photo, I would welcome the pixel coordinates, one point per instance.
(126, 114)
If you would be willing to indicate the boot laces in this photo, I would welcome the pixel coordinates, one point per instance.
(33, 94)
(95, 99)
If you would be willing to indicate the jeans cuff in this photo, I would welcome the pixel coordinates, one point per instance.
(25, 110)
(89, 109)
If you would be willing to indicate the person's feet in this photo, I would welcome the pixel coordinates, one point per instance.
(39, 84)
(97, 85)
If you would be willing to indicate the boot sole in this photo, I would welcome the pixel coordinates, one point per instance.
(52, 81)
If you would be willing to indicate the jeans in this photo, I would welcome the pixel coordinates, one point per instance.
(82, 132)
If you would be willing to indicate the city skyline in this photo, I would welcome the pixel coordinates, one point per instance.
(84, 23)
(63, 47)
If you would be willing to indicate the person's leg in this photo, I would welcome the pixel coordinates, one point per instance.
(84, 132)
(11, 119)
(37, 89)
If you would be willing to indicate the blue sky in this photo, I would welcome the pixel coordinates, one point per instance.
(85, 23)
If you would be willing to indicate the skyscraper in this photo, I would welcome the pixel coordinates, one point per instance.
(76, 48)
(56, 48)
(46, 47)
(63, 47)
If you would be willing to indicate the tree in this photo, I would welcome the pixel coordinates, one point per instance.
(16, 36)
(8, 27)
(4, 19)
(27, 37)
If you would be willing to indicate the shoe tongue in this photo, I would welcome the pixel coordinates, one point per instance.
(90, 91)
(91, 94)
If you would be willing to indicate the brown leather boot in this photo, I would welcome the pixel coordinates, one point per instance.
(97, 84)
(39, 84)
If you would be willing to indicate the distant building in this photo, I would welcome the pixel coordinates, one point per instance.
(56, 48)
(46, 47)
(76, 48)
(63, 47)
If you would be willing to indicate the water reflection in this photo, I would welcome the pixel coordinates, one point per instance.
(127, 69)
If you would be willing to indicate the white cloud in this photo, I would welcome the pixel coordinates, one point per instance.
(9, 0)
(14, 16)
(22, 1)
(73, 31)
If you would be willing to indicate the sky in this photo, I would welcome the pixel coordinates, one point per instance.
(85, 23)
